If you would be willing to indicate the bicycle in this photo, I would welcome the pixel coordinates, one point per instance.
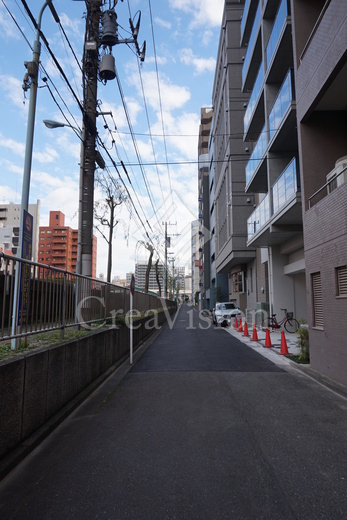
(288, 321)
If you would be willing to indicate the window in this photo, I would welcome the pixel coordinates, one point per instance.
(238, 282)
(317, 300)
(341, 280)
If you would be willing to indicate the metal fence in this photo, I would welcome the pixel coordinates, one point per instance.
(47, 298)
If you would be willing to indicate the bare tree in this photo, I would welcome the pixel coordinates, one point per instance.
(105, 212)
(157, 276)
(149, 265)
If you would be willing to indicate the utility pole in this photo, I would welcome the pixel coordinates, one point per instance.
(89, 154)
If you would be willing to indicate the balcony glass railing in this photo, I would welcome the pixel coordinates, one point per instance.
(257, 155)
(285, 187)
(279, 22)
(244, 16)
(251, 43)
(254, 98)
(283, 101)
(259, 217)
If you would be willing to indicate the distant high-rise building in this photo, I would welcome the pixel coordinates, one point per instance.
(58, 244)
(10, 225)
(140, 276)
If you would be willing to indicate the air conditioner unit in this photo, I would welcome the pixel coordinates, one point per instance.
(341, 170)
(338, 175)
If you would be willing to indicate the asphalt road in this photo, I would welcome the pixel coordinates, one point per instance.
(201, 427)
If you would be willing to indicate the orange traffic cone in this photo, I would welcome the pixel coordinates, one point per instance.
(245, 330)
(236, 325)
(255, 334)
(267, 339)
(284, 348)
(240, 329)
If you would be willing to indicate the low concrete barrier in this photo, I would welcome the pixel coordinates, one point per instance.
(40, 389)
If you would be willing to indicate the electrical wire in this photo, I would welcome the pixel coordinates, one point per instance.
(159, 94)
(136, 147)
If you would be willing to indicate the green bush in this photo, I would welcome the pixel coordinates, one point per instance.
(303, 344)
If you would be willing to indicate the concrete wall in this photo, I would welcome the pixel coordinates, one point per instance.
(34, 388)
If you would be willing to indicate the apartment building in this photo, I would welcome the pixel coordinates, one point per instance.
(195, 258)
(204, 208)
(320, 66)
(140, 277)
(10, 226)
(275, 227)
(229, 155)
(293, 57)
(58, 244)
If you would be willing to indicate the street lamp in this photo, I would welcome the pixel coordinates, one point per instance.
(30, 81)
(49, 123)
(57, 124)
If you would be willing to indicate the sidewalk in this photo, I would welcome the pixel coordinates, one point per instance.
(273, 353)
(275, 337)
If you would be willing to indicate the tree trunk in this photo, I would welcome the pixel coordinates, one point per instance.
(149, 265)
(157, 277)
(110, 237)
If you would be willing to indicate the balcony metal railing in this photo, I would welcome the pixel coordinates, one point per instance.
(257, 155)
(335, 179)
(50, 298)
(282, 103)
(259, 217)
(279, 22)
(251, 43)
(285, 187)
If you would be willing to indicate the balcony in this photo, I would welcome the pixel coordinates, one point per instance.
(253, 53)
(255, 109)
(266, 228)
(286, 186)
(282, 119)
(259, 218)
(336, 178)
(277, 32)
(256, 171)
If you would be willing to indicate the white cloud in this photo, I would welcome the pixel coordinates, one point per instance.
(160, 60)
(13, 90)
(204, 12)
(48, 155)
(172, 96)
(8, 195)
(12, 145)
(7, 27)
(162, 23)
(200, 65)
(72, 26)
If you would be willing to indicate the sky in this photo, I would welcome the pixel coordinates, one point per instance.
(163, 97)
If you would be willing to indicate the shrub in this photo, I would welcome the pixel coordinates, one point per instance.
(303, 344)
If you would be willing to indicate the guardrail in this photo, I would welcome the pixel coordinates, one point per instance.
(49, 298)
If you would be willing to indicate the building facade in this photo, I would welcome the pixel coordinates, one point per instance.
(10, 225)
(140, 277)
(195, 256)
(272, 173)
(58, 244)
(320, 66)
(293, 61)
(204, 208)
(232, 206)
